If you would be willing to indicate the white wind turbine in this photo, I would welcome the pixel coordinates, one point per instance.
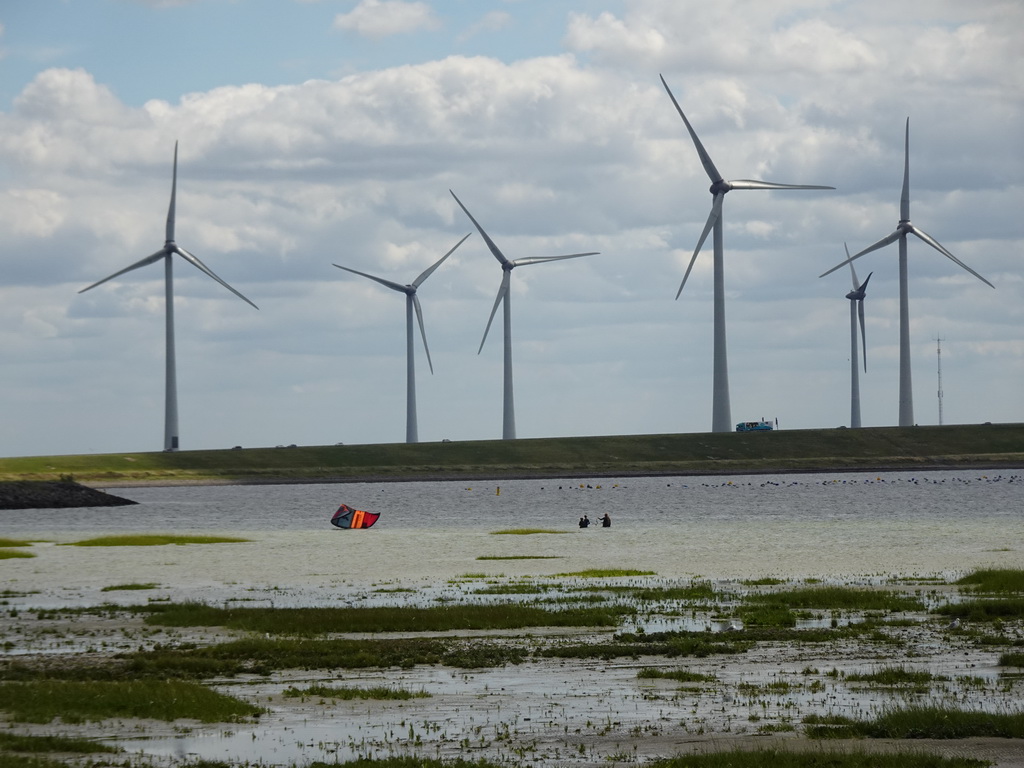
(856, 297)
(412, 303)
(903, 228)
(721, 417)
(508, 412)
(167, 253)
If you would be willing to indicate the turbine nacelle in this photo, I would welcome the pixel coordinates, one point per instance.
(858, 293)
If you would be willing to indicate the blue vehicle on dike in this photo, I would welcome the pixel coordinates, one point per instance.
(754, 426)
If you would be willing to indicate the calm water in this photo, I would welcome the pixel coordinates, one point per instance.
(791, 526)
(939, 498)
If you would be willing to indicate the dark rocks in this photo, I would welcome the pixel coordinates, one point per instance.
(40, 494)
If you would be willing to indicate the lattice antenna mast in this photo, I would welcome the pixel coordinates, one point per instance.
(938, 356)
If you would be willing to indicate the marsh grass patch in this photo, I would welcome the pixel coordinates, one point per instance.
(837, 598)
(920, 722)
(152, 540)
(14, 543)
(14, 742)
(79, 701)
(13, 554)
(985, 610)
(319, 621)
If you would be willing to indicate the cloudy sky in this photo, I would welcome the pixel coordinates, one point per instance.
(319, 133)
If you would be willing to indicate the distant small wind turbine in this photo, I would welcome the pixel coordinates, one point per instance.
(508, 411)
(171, 438)
(721, 414)
(856, 297)
(412, 303)
(903, 228)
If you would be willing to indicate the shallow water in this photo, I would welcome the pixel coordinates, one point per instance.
(792, 526)
(859, 528)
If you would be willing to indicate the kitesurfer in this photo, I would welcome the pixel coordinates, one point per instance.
(606, 521)
(584, 522)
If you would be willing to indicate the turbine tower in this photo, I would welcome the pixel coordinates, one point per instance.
(721, 418)
(171, 437)
(412, 303)
(904, 228)
(856, 297)
(508, 431)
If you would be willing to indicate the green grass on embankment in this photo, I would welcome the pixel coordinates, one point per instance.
(875, 448)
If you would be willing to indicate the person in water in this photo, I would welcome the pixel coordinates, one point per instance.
(584, 522)
(606, 521)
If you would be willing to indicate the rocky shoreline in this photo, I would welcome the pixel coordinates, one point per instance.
(64, 494)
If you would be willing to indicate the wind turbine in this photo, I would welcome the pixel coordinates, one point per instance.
(412, 303)
(508, 412)
(166, 253)
(903, 228)
(721, 418)
(856, 297)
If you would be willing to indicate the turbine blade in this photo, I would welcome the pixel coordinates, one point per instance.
(864, 286)
(853, 272)
(141, 263)
(429, 271)
(174, 191)
(716, 212)
(705, 158)
(392, 285)
(502, 293)
(905, 195)
(938, 246)
(203, 268)
(540, 259)
(755, 184)
(423, 332)
(490, 243)
(873, 247)
(863, 336)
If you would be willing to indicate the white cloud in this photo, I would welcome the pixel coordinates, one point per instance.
(376, 19)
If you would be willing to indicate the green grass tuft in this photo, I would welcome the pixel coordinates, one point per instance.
(523, 531)
(603, 573)
(995, 580)
(784, 758)
(896, 676)
(346, 693)
(14, 543)
(679, 675)
(129, 587)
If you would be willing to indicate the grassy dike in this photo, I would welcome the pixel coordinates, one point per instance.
(987, 446)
